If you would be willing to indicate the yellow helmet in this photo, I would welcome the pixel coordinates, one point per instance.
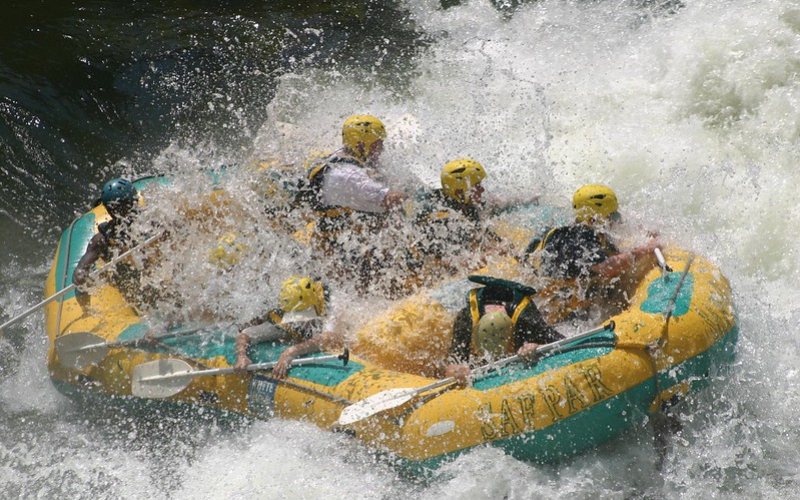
(228, 251)
(494, 333)
(360, 132)
(299, 293)
(594, 201)
(458, 176)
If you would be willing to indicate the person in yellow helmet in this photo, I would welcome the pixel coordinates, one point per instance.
(461, 186)
(583, 253)
(349, 180)
(351, 200)
(452, 217)
(500, 319)
(448, 219)
(301, 319)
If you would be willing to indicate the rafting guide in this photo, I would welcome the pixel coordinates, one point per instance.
(121, 201)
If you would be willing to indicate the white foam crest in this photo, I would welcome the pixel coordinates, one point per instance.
(288, 460)
(30, 376)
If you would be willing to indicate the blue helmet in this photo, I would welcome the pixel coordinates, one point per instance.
(119, 192)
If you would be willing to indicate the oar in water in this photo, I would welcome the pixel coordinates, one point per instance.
(163, 378)
(71, 287)
(392, 398)
(83, 349)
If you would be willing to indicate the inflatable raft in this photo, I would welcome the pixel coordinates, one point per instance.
(679, 329)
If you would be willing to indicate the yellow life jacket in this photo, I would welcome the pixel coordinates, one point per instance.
(475, 307)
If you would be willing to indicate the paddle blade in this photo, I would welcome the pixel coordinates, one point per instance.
(382, 401)
(80, 350)
(143, 387)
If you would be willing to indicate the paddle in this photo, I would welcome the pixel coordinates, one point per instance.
(671, 305)
(392, 398)
(661, 261)
(163, 378)
(71, 287)
(83, 349)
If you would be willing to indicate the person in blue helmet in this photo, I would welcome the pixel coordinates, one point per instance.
(120, 199)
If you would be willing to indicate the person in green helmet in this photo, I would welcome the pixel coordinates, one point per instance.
(120, 199)
(500, 319)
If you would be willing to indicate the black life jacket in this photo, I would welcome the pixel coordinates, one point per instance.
(569, 252)
(515, 297)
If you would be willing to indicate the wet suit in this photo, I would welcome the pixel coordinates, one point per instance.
(112, 238)
(569, 252)
(529, 326)
(447, 227)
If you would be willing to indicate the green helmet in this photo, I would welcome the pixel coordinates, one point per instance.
(119, 195)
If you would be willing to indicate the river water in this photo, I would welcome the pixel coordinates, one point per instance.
(690, 110)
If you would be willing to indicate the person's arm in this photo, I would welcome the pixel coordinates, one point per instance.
(393, 199)
(242, 345)
(94, 250)
(259, 329)
(497, 206)
(615, 265)
(326, 340)
(460, 372)
(532, 328)
(532, 331)
(349, 186)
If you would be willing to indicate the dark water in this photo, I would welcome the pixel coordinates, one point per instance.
(91, 90)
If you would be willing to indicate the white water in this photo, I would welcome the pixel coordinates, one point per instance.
(694, 119)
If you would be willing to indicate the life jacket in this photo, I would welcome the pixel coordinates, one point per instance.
(568, 252)
(564, 256)
(515, 297)
(444, 223)
(275, 317)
